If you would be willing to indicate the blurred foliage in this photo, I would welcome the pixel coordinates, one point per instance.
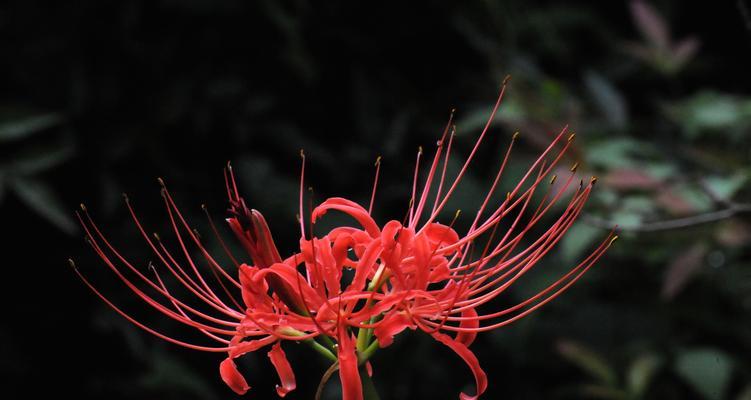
(102, 97)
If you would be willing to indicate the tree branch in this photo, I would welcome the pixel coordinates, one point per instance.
(676, 223)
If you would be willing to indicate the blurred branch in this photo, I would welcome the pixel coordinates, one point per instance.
(675, 223)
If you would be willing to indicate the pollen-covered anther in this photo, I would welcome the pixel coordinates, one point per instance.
(593, 180)
(552, 180)
(574, 167)
(571, 136)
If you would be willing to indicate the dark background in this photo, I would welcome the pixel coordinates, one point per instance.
(102, 97)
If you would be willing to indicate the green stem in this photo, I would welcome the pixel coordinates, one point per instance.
(321, 349)
(364, 355)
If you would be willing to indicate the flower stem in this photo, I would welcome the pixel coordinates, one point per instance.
(321, 349)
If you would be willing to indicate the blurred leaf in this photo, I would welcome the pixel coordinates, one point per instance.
(40, 198)
(672, 202)
(733, 233)
(22, 127)
(706, 370)
(630, 179)
(602, 392)
(627, 219)
(684, 51)
(511, 111)
(712, 112)
(651, 25)
(588, 360)
(614, 153)
(640, 374)
(682, 268)
(39, 161)
(577, 239)
(641, 205)
(726, 187)
(608, 99)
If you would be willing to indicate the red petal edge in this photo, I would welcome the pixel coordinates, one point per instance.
(232, 377)
(286, 375)
(481, 380)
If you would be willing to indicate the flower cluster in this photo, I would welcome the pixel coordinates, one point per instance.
(349, 291)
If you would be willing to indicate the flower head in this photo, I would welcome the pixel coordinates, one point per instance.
(351, 290)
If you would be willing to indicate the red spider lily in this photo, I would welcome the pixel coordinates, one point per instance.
(416, 273)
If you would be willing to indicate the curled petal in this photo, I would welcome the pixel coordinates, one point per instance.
(239, 347)
(351, 208)
(254, 293)
(365, 265)
(391, 325)
(440, 234)
(232, 377)
(286, 375)
(481, 380)
(348, 370)
(466, 338)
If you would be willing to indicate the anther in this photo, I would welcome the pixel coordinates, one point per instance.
(302, 153)
(571, 137)
(419, 149)
(161, 182)
(203, 206)
(378, 161)
(506, 79)
(125, 197)
(515, 135)
(156, 236)
(593, 180)
(552, 180)
(613, 239)
(83, 207)
(72, 263)
(574, 167)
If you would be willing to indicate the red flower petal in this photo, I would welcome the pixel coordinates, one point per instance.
(348, 370)
(481, 380)
(348, 207)
(466, 338)
(232, 377)
(286, 375)
(392, 324)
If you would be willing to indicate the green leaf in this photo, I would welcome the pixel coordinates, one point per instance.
(589, 361)
(40, 160)
(22, 127)
(577, 239)
(713, 112)
(640, 374)
(726, 187)
(608, 99)
(614, 153)
(42, 199)
(626, 219)
(708, 371)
